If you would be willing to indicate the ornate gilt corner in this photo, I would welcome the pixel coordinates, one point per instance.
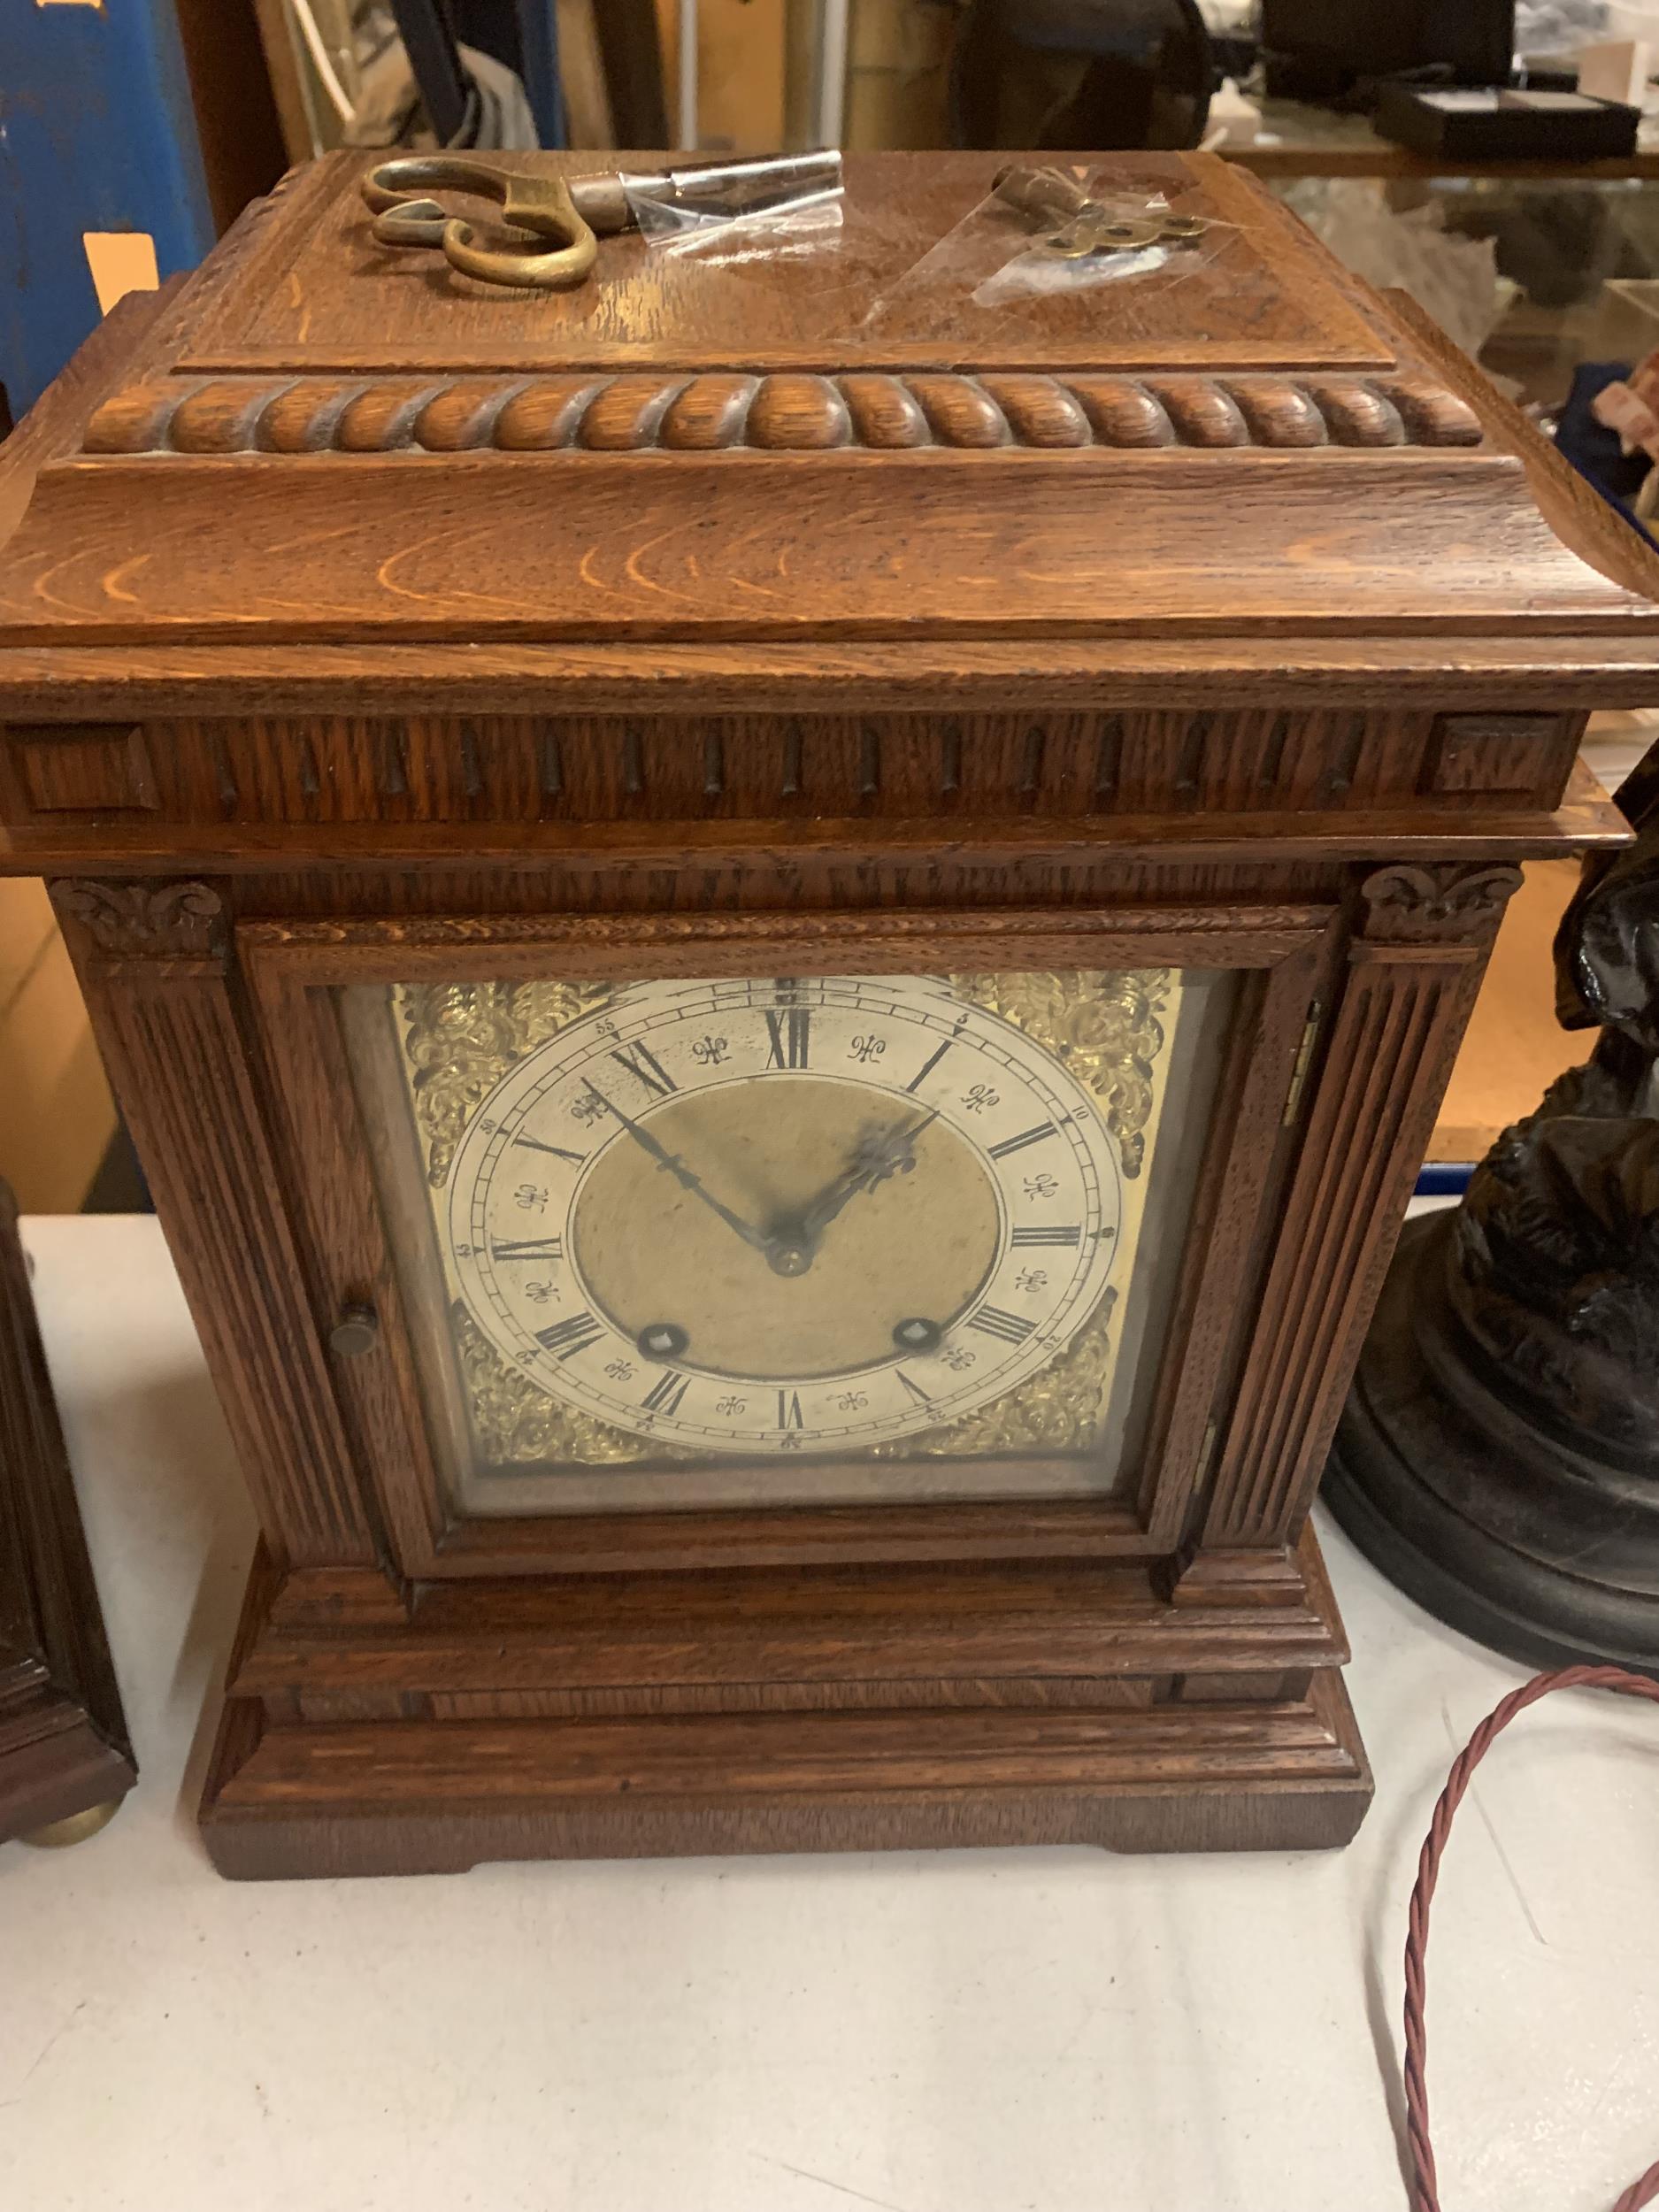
(514, 1422)
(1104, 1023)
(460, 1038)
(1057, 1412)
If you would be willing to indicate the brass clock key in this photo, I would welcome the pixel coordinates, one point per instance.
(1089, 226)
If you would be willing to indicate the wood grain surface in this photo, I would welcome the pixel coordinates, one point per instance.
(680, 413)
(439, 1798)
(932, 543)
(892, 285)
(1199, 455)
(358, 627)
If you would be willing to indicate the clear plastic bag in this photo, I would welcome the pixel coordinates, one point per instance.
(1052, 232)
(741, 210)
(1123, 236)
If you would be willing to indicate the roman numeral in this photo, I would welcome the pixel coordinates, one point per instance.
(535, 1144)
(992, 1321)
(644, 1066)
(790, 1029)
(664, 1395)
(1026, 1136)
(789, 1413)
(1029, 1238)
(528, 1249)
(567, 1338)
(915, 1389)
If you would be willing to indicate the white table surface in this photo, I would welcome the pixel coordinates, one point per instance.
(1054, 2031)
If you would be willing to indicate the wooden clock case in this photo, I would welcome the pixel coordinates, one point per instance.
(66, 1756)
(356, 624)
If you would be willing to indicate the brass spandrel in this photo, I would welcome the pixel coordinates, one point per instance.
(1106, 1024)
(460, 1038)
(1059, 1411)
(514, 1422)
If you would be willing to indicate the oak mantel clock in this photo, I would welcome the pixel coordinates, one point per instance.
(781, 933)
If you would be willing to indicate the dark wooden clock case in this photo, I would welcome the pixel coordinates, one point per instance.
(357, 625)
(65, 1752)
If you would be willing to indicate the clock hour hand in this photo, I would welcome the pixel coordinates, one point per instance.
(686, 1180)
(892, 1153)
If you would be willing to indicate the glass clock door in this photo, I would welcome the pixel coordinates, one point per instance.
(734, 1241)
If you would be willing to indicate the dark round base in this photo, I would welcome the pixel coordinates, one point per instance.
(1525, 1542)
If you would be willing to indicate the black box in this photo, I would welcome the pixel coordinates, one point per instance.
(1455, 123)
(1320, 49)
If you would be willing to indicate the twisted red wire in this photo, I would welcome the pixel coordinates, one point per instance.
(1424, 2197)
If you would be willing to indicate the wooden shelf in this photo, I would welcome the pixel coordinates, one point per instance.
(1384, 159)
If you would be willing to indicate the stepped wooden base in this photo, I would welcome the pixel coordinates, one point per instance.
(390, 1799)
(1241, 1740)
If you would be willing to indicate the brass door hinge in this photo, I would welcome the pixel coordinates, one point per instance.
(1304, 1055)
(1206, 1452)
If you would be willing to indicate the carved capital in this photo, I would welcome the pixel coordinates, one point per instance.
(1436, 903)
(146, 920)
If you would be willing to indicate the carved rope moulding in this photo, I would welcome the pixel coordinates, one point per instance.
(718, 412)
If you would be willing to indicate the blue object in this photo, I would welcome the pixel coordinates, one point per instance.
(539, 67)
(522, 34)
(98, 132)
(1444, 1178)
(1593, 448)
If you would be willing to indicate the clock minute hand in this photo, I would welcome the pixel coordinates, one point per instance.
(684, 1176)
(688, 1182)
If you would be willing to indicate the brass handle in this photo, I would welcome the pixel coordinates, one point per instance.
(358, 1331)
(540, 204)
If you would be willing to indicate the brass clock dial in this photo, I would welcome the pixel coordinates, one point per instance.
(784, 1216)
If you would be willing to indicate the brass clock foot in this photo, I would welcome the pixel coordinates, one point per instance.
(76, 1829)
